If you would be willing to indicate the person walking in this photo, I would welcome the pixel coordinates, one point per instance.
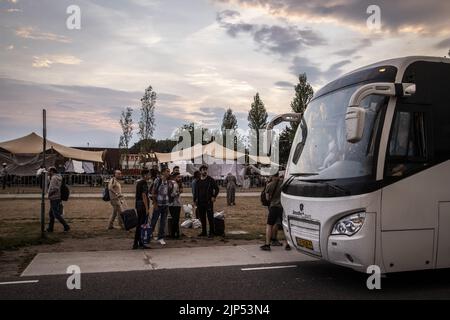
(117, 200)
(162, 188)
(142, 208)
(175, 205)
(4, 175)
(193, 186)
(231, 183)
(206, 192)
(273, 195)
(54, 195)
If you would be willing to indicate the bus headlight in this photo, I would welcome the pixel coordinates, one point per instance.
(349, 225)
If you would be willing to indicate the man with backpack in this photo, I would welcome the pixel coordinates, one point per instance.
(116, 199)
(161, 193)
(272, 194)
(57, 192)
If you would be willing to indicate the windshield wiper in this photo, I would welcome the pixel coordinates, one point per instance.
(304, 174)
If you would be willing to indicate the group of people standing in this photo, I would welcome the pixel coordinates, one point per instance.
(160, 193)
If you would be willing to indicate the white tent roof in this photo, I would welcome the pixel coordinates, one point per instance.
(213, 149)
(32, 144)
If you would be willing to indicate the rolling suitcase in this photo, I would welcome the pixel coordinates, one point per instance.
(130, 219)
(219, 227)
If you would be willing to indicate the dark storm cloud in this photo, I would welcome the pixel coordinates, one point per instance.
(284, 84)
(283, 40)
(313, 71)
(364, 43)
(444, 44)
(432, 15)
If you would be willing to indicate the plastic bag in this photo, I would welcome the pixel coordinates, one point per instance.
(187, 208)
(187, 224)
(146, 233)
(196, 224)
(219, 215)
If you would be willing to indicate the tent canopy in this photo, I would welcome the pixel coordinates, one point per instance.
(213, 150)
(32, 144)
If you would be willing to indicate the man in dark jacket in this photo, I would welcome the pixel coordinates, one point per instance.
(206, 192)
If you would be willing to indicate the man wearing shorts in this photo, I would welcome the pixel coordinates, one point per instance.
(273, 195)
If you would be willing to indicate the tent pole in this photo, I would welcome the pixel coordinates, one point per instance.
(44, 174)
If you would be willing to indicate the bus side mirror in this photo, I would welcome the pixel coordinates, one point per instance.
(354, 123)
(355, 117)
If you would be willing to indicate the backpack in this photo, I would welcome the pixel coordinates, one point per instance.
(264, 201)
(106, 197)
(65, 191)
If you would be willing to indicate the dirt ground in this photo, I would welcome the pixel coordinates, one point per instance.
(20, 230)
(126, 188)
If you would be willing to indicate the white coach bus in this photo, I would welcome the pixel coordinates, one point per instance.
(368, 177)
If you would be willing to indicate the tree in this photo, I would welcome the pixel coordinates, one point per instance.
(257, 120)
(257, 116)
(195, 131)
(229, 134)
(229, 121)
(303, 95)
(147, 121)
(126, 122)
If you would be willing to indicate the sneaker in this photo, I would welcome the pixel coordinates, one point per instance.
(162, 242)
(276, 243)
(265, 247)
(288, 247)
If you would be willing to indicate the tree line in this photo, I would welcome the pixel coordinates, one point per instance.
(257, 120)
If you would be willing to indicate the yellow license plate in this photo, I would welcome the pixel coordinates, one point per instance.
(307, 244)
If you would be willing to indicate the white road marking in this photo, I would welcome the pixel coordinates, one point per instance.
(268, 268)
(19, 282)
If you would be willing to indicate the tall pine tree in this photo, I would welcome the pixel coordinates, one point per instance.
(126, 123)
(147, 121)
(257, 120)
(303, 95)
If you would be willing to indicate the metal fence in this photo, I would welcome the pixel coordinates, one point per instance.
(98, 180)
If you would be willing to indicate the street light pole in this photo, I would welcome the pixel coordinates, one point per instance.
(44, 173)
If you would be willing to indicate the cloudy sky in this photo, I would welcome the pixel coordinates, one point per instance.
(200, 56)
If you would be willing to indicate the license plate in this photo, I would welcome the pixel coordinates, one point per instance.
(307, 244)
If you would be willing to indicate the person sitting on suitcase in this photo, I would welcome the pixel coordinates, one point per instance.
(206, 191)
(162, 188)
(142, 208)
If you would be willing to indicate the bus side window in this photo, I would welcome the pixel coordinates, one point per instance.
(408, 143)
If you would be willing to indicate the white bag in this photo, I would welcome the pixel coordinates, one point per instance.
(187, 224)
(219, 215)
(196, 224)
(187, 208)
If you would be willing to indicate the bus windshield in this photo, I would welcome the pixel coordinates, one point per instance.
(320, 150)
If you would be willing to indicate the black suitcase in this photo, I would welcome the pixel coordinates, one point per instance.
(130, 219)
(219, 227)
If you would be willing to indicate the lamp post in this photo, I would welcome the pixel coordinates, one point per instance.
(44, 173)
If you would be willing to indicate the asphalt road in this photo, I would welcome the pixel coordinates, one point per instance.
(306, 280)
